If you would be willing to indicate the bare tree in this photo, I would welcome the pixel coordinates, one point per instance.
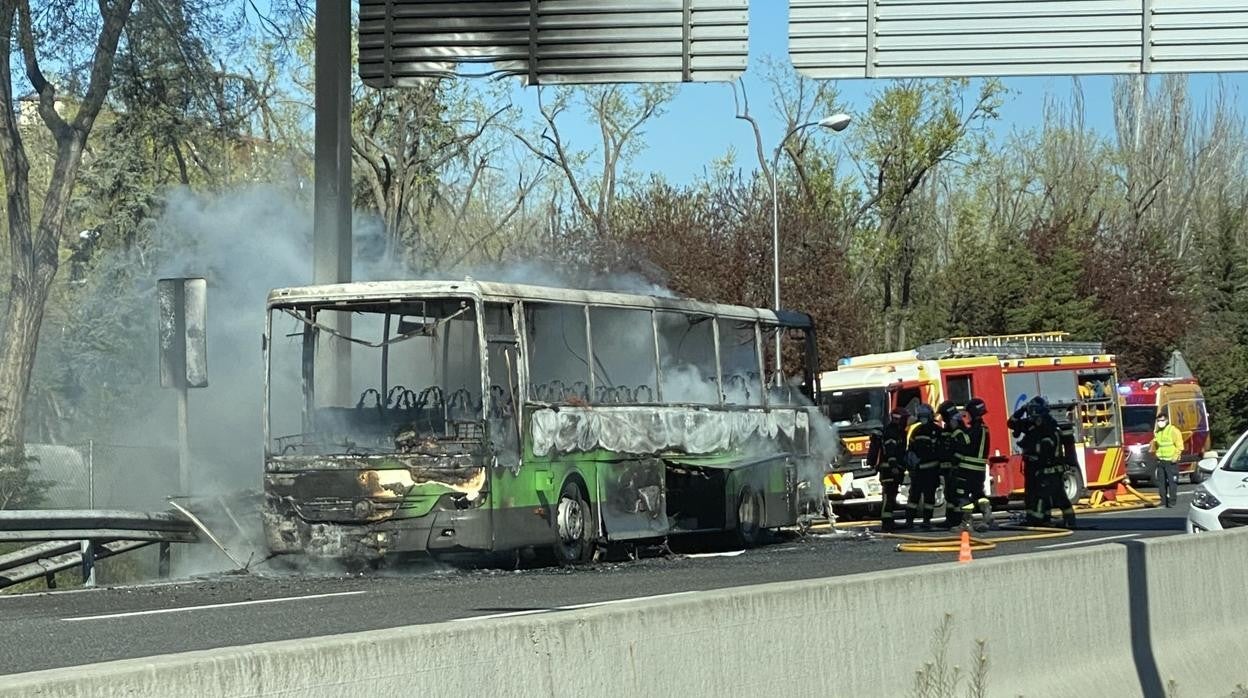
(34, 244)
(619, 113)
(431, 167)
(913, 128)
(797, 100)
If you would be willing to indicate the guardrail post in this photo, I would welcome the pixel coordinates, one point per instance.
(49, 580)
(162, 567)
(88, 563)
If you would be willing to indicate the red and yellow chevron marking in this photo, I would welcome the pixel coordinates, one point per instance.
(1113, 468)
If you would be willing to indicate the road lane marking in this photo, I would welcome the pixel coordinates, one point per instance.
(615, 601)
(572, 607)
(1087, 542)
(232, 604)
(506, 614)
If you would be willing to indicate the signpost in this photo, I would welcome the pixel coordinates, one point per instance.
(183, 306)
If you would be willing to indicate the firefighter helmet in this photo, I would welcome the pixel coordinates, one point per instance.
(899, 415)
(924, 414)
(1038, 408)
(977, 408)
(947, 410)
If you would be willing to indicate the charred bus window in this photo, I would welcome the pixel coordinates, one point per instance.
(407, 376)
(558, 347)
(625, 371)
(687, 366)
(503, 357)
(286, 404)
(738, 362)
(791, 380)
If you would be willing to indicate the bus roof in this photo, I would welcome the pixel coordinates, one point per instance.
(490, 290)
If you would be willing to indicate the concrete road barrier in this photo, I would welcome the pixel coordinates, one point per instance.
(1111, 620)
(1190, 606)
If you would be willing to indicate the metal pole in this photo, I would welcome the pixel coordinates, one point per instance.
(88, 563)
(331, 238)
(162, 564)
(775, 253)
(184, 443)
(91, 473)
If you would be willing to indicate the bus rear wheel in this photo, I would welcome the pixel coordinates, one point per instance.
(749, 529)
(574, 526)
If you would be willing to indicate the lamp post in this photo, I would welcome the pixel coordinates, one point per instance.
(836, 122)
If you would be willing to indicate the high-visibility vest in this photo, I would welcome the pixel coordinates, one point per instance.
(1168, 442)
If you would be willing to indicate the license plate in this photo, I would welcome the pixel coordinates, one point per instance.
(874, 488)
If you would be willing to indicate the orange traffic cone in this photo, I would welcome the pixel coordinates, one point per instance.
(964, 550)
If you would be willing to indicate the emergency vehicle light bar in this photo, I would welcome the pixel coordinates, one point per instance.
(1009, 346)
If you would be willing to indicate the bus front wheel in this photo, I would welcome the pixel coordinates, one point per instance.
(574, 524)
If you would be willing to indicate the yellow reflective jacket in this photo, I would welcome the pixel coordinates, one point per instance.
(1168, 443)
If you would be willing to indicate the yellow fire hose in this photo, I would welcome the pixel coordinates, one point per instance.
(1094, 504)
(953, 544)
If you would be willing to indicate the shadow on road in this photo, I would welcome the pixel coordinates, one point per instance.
(1156, 523)
(1141, 627)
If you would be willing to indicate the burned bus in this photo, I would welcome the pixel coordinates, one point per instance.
(464, 416)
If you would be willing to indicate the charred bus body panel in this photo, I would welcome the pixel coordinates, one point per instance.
(432, 416)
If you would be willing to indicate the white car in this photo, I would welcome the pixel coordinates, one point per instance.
(1221, 502)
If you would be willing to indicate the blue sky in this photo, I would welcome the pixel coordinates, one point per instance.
(699, 125)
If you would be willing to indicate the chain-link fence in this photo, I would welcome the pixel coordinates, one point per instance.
(95, 475)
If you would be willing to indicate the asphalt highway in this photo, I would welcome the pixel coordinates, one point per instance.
(68, 628)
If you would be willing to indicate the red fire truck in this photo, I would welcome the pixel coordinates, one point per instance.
(1078, 379)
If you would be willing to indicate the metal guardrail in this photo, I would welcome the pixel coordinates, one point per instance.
(69, 538)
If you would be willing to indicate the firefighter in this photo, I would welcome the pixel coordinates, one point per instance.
(1025, 431)
(949, 419)
(888, 455)
(924, 455)
(970, 444)
(1043, 450)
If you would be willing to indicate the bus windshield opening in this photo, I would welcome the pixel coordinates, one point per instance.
(375, 378)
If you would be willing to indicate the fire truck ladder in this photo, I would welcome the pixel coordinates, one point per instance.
(1009, 346)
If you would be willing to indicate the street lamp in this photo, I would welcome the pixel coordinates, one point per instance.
(836, 122)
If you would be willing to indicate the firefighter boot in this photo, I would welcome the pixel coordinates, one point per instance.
(985, 509)
(1068, 519)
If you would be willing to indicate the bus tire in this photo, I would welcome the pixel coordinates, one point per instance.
(574, 525)
(749, 530)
